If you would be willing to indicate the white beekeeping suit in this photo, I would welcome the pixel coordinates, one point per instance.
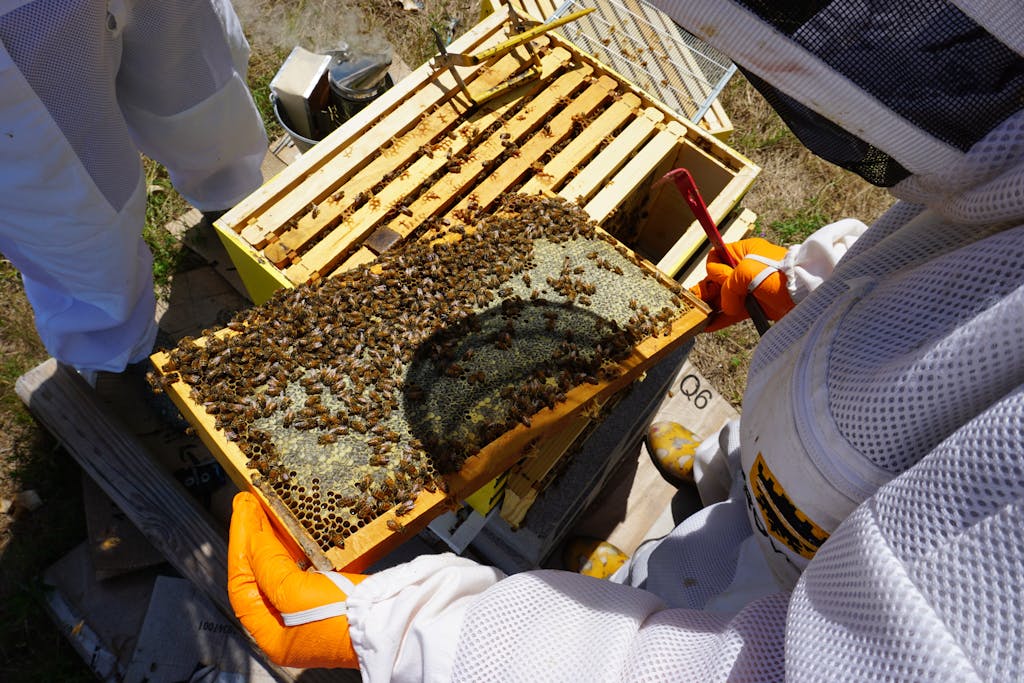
(84, 87)
(871, 525)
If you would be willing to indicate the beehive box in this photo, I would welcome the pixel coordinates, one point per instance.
(358, 407)
(424, 151)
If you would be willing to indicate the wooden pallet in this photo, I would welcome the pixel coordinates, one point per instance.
(424, 152)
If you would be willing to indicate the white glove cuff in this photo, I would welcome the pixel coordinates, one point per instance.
(809, 264)
(404, 622)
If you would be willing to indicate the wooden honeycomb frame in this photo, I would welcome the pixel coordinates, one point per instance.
(380, 535)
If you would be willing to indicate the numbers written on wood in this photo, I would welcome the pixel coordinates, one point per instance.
(691, 389)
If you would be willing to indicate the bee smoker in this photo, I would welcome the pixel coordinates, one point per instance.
(356, 80)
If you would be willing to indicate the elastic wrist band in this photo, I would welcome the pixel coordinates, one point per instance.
(328, 611)
(773, 267)
(306, 616)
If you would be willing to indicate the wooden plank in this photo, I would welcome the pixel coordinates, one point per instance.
(361, 256)
(531, 8)
(582, 146)
(429, 128)
(718, 123)
(354, 130)
(692, 240)
(147, 494)
(612, 157)
(329, 250)
(514, 168)
(636, 172)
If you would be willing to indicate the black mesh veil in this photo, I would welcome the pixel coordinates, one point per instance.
(925, 60)
(829, 141)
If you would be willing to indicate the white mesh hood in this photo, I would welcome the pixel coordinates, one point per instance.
(983, 186)
(925, 581)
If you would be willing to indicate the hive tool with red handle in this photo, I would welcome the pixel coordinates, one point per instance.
(688, 188)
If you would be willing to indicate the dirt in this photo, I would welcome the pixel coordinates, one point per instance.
(793, 185)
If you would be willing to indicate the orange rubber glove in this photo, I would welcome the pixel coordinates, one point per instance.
(267, 589)
(725, 288)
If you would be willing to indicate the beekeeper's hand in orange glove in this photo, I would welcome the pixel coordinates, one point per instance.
(296, 616)
(758, 270)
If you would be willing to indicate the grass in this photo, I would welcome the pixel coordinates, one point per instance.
(163, 204)
(796, 228)
(262, 67)
(31, 648)
(410, 35)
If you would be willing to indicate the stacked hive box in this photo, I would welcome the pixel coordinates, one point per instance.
(424, 151)
(643, 43)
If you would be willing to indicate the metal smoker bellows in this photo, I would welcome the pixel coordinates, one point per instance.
(644, 45)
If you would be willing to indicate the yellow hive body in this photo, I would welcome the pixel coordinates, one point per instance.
(424, 150)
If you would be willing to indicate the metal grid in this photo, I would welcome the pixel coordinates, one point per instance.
(644, 45)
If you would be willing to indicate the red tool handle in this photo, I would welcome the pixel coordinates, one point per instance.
(688, 188)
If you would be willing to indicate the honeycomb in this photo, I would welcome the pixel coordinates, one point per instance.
(352, 394)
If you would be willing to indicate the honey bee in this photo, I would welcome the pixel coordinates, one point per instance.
(364, 510)
(396, 526)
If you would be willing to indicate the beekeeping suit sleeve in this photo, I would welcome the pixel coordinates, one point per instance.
(182, 89)
(809, 264)
(919, 582)
(916, 584)
(83, 84)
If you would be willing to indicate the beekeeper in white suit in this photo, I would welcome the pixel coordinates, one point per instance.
(84, 87)
(870, 521)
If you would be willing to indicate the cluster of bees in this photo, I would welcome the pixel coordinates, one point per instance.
(351, 395)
